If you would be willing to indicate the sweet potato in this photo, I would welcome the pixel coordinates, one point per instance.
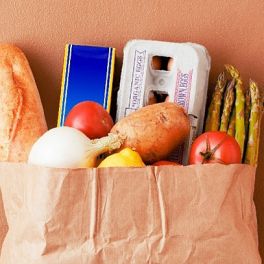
(154, 131)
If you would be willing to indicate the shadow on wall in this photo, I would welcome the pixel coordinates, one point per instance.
(48, 83)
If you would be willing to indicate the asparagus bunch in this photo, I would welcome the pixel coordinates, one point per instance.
(237, 112)
(252, 148)
(213, 117)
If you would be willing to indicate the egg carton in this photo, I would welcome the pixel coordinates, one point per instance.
(156, 71)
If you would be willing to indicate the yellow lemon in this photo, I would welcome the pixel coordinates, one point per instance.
(125, 158)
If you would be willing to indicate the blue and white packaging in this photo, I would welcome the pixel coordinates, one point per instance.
(87, 76)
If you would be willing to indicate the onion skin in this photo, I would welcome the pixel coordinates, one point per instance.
(154, 131)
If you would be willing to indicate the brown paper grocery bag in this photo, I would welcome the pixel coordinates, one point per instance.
(193, 214)
(3, 222)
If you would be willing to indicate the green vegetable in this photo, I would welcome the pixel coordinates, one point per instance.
(228, 103)
(213, 116)
(252, 148)
(239, 105)
(232, 124)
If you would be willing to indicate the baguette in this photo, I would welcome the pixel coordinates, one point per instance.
(22, 119)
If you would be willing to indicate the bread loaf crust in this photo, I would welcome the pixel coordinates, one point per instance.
(22, 119)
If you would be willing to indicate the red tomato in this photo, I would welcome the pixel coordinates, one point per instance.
(165, 162)
(215, 147)
(90, 118)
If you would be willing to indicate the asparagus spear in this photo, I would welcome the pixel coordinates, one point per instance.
(247, 109)
(240, 119)
(251, 156)
(239, 104)
(228, 103)
(247, 116)
(213, 116)
(232, 124)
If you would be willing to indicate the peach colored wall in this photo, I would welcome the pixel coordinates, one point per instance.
(232, 31)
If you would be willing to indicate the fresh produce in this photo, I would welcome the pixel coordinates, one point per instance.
(90, 118)
(215, 147)
(241, 111)
(213, 117)
(247, 110)
(125, 158)
(251, 156)
(232, 124)
(228, 103)
(240, 106)
(165, 162)
(67, 147)
(154, 131)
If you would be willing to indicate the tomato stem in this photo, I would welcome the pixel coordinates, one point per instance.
(209, 153)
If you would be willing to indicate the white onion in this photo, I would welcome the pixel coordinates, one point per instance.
(60, 147)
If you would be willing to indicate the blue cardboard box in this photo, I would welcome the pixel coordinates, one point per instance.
(87, 75)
